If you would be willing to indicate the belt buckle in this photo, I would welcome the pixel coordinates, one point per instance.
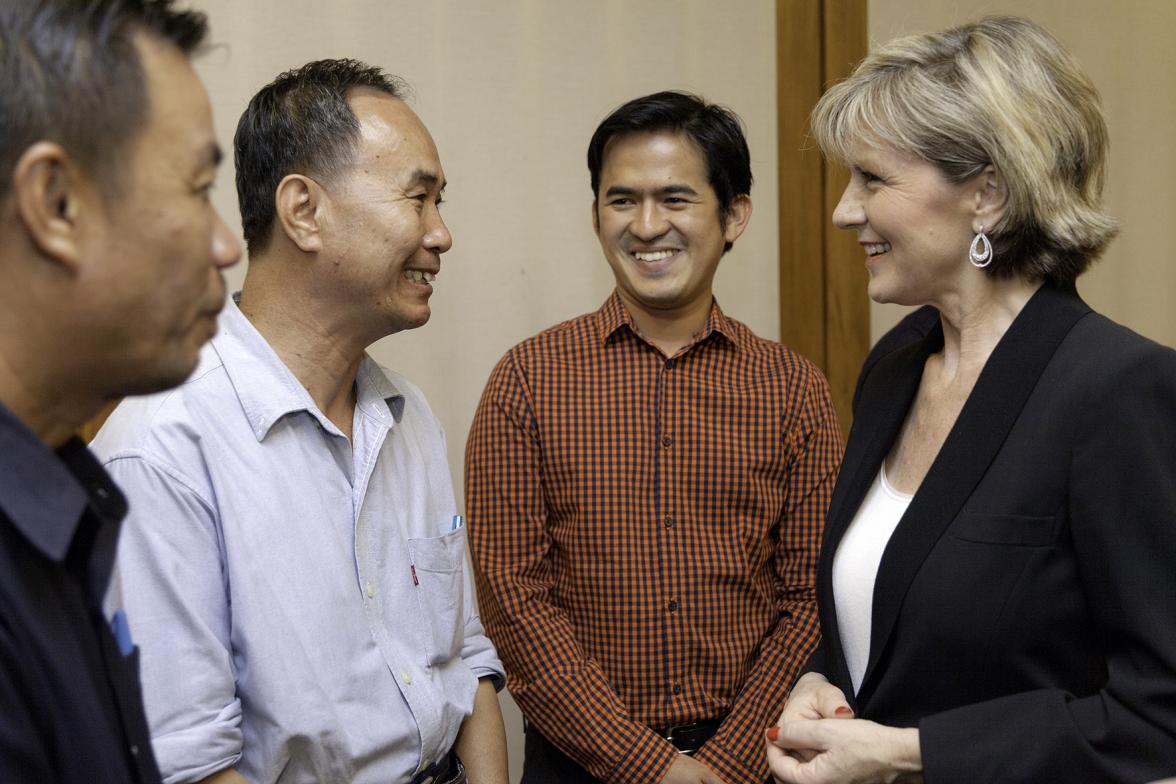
(669, 736)
(458, 773)
(447, 770)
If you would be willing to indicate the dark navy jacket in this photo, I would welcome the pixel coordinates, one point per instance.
(70, 707)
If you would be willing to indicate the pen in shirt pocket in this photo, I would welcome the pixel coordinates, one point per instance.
(455, 524)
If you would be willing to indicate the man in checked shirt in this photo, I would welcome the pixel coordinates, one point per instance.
(646, 485)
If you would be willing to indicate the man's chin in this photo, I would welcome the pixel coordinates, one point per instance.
(167, 372)
(164, 379)
(405, 321)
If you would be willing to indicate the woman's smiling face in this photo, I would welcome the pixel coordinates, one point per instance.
(914, 225)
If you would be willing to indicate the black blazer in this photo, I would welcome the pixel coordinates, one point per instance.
(1025, 608)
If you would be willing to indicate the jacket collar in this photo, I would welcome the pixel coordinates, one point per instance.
(45, 493)
(1000, 393)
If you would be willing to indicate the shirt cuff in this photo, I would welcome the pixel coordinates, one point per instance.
(730, 766)
(197, 752)
(646, 762)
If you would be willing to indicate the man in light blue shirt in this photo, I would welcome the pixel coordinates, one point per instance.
(292, 566)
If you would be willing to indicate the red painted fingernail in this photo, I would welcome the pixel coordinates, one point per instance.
(773, 732)
(843, 711)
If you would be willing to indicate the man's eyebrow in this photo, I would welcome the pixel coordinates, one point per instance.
(210, 156)
(427, 178)
(665, 190)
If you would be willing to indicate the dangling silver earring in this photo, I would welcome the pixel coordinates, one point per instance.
(980, 253)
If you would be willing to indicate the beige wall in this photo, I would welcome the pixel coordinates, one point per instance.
(1126, 48)
(512, 90)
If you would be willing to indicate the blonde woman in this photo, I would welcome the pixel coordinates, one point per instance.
(998, 578)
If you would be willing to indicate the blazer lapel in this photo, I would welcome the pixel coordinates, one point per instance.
(1000, 393)
(889, 389)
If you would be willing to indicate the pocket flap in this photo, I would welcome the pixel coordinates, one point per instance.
(1024, 530)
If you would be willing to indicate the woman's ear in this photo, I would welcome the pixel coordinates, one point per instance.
(992, 198)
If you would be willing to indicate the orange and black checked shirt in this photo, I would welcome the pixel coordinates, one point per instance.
(645, 535)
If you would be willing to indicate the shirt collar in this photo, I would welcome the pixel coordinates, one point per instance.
(268, 391)
(45, 494)
(377, 395)
(613, 315)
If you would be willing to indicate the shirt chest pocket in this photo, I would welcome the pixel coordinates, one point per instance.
(437, 565)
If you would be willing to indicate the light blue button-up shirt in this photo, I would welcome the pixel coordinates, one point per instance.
(302, 602)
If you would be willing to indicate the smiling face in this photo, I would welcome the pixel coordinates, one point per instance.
(382, 225)
(914, 225)
(155, 296)
(657, 219)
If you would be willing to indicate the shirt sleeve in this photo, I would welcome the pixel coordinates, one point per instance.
(477, 651)
(815, 440)
(563, 692)
(1122, 507)
(170, 582)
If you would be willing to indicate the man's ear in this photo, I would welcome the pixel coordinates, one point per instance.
(296, 205)
(595, 216)
(738, 214)
(47, 191)
(991, 199)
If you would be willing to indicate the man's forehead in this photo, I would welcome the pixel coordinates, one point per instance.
(178, 104)
(656, 162)
(391, 132)
(384, 117)
(652, 149)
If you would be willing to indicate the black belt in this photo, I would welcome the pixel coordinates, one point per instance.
(688, 738)
(448, 771)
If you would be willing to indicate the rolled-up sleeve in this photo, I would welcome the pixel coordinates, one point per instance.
(170, 582)
(477, 651)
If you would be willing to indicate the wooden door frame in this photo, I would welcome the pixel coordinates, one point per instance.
(824, 310)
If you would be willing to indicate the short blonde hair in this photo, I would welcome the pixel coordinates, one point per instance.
(1000, 91)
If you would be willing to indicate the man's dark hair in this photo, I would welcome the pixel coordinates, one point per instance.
(298, 123)
(70, 73)
(716, 131)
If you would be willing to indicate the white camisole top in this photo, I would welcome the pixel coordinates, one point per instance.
(855, 568)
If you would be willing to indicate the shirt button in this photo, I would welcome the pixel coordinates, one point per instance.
(676, 687)
(370, 590)
(405, 677)
(669, 364)
(672, 605)
(102, 493)
(669, 521)
(666, 440)
(134, 750)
